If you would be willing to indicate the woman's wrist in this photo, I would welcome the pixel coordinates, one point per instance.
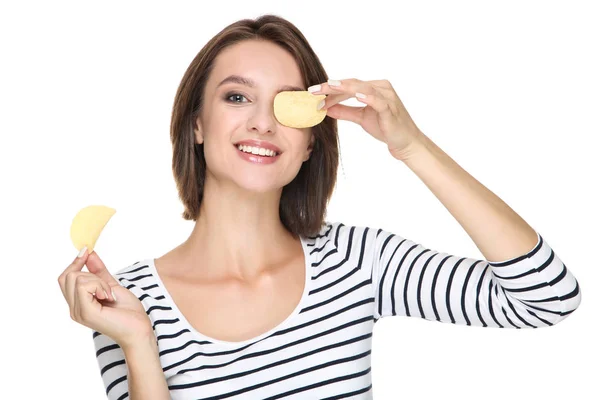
(146, 379)
(140, 343)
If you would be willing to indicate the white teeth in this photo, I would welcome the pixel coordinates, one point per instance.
(256, 150)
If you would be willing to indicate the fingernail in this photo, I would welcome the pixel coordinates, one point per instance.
(314, 88)
(106, 295)
(321, 104)
(113, 294)
(82, 252)
(360, 95)
(333, 82)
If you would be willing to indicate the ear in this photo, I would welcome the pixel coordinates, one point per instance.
(198, 131)
(311, 145)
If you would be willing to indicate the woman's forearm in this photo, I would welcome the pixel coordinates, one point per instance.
(497, 230)
(146, 379)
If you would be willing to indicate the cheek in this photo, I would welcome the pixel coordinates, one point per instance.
(223, 123)
(306, 135)
(298, 141)
(218, 140)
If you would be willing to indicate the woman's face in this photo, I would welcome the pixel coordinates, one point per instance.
(235, 110)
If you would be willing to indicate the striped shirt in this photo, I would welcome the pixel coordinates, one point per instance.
(354, 276)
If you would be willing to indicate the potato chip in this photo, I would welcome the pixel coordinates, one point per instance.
(88, 224)
(298, 109)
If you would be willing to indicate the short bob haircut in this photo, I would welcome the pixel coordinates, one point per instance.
(303, 203)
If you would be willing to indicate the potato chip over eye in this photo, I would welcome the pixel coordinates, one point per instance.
(88, 224)
(298, 109)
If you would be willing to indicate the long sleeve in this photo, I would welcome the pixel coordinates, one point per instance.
(530, 291)
(113, 368)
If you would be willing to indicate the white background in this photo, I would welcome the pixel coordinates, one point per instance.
(508, 89)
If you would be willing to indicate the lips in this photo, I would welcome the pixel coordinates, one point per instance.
(257, 159)
(259, 143)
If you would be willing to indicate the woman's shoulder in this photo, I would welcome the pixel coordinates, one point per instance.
(135, 273)
(339, 231)
(141, 279)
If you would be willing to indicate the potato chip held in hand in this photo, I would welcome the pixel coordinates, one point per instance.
(88, 224)
(298, 109)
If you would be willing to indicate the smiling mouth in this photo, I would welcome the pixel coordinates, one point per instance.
(267, 153)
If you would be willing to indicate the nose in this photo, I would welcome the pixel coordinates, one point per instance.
(263, 119)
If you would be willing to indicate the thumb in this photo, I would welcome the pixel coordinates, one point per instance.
(348, 113)
(95, 265)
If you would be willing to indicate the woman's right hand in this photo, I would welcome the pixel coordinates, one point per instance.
(124, 320)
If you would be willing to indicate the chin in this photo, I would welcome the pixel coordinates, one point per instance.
(258, 184)
(261, 184)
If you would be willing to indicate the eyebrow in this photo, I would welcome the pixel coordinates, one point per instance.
(249, 82)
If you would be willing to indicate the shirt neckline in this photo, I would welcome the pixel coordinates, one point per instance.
(280, 326)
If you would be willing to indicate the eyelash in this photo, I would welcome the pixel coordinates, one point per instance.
(230, 94)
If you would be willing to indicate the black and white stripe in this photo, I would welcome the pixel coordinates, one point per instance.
(530, 291)
(357, 275)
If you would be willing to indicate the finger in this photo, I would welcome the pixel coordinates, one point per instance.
(76, 265)
(348, 86)
(95, 265)
(348, 113)
(70, 282)
(385, 89)
(333, 99)
(378, 88)
(378, 103)
(75, 279)
(381, 83)
(86, 305)
(104, 294)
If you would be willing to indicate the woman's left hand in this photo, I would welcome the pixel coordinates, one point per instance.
(384, 117)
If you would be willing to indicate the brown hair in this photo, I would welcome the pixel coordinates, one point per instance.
(304, 200)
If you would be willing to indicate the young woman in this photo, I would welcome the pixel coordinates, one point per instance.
(268, 299)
